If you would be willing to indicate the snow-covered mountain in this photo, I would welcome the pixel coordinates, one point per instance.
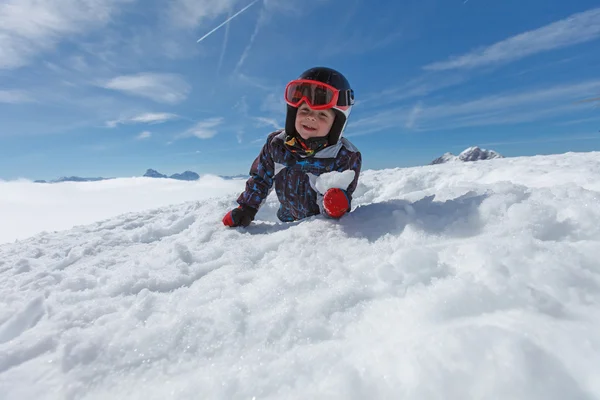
(473, 153)
(473, 281)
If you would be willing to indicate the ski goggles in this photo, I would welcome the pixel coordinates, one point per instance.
(318, 95)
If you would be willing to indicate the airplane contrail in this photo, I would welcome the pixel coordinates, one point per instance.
(224, 48)
(226, 21)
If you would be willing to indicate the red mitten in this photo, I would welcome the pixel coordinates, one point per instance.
(228, 219)
(241, 216)
(336, 203)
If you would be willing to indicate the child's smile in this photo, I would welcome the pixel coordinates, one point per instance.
(309, 128)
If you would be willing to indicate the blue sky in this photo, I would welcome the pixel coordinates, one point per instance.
(113, 87)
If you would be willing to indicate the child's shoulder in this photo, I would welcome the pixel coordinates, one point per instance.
(349, 145)
(277, 135)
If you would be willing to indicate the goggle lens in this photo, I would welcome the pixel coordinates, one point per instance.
(317, 95)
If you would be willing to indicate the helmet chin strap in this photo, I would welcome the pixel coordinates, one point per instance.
(316, 143)
(307, 147)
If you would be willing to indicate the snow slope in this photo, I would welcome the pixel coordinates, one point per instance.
(455, 281)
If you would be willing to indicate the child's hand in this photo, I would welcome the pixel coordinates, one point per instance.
(336, 203)
(241, 216)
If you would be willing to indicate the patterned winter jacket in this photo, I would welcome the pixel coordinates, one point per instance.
(294, 175)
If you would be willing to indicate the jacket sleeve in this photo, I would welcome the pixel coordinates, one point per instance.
(353, 162)
(260, 182)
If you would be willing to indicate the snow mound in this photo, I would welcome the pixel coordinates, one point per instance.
(472, 281)
(334, 179)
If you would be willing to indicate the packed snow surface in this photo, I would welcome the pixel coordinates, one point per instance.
(458, 281)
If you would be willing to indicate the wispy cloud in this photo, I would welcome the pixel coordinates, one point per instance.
(203, 129)
(162, 88)
(506, 108)
(577, 28)
(259, 23)
(224, 48)
(242, 106)
(263, 121)
(418, 87)
(591, 100)
(413, 115)
(351, 36)
(571, 138)
(288, 8)
(191, 13)
(268, 10)
(580, 121)
(259, 83)
(14, 97)
(360, 43)
(30, 27)
(560, 95)
(144, 135)
(98, 147)
(274, 103)
(146, 118)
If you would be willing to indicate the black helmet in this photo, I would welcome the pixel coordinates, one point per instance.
(341, 109)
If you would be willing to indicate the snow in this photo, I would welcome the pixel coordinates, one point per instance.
(334, 179)
(454, 281)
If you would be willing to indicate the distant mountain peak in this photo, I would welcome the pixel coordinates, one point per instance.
(152, 173)
(476, 153)
(473, 153)
(78, 179)
(186, 176)
(446, 157)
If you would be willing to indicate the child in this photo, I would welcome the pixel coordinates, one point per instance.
(318, 105)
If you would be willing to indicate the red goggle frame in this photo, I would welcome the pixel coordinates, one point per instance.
(318, 95)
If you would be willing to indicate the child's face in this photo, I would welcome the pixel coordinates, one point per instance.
(313, 123)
